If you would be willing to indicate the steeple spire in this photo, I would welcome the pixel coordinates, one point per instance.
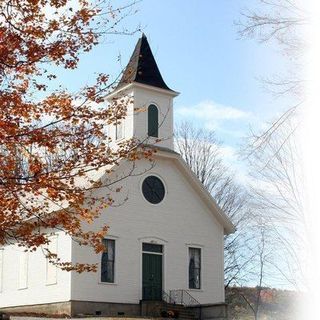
(142, 67)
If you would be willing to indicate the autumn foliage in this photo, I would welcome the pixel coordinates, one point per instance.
(52, 139)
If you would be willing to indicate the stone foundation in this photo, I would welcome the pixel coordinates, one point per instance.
(104, 308)
(58, 308)
(151, 308)
(145, 308)
(74, 308)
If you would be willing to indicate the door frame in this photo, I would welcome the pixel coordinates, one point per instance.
(152, 240)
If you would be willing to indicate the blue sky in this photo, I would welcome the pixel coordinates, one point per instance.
(200, 55)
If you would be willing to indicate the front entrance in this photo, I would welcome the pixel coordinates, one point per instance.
(151, 271)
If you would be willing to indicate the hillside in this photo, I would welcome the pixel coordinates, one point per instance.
(275, 304)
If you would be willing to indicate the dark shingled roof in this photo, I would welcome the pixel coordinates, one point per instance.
(142, 67)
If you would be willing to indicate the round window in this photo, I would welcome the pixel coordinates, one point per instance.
(153, 189)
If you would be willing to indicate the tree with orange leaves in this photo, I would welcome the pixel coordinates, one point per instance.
(50, 144)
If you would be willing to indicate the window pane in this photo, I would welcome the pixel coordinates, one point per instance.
(195, 255)
(107, 261)
(110, 249)
(196, 278)
(152, 247)
(119, 130)
(194, 268)
(153, 122)
(107, 272)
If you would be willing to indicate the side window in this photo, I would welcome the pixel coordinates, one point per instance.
(119, 130)
(194, 268)
(153, 121)
(51, 270)
(23, 270)
(107, 261)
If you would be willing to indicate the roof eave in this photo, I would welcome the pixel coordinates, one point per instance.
(133, 85)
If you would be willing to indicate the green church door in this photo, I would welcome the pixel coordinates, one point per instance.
(151, 275)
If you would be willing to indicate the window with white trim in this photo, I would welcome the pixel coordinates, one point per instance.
(51, 269)
(194, 268)
(107, 261)
(119, 130)
(153, 121)
(23, 270)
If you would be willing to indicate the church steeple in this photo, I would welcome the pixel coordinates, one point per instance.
(142, 67)
(149, 117)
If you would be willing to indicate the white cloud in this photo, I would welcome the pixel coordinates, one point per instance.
(212, 114)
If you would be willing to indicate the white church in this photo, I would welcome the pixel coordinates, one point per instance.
(165, 245)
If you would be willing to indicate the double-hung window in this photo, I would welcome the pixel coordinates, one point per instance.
(107, 261)
(194, 268)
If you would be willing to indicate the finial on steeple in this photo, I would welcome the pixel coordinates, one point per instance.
(142, 67)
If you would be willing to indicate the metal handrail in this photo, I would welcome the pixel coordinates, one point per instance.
(167, 298)
(183, 297)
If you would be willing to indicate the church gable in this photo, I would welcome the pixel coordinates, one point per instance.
(175, 176)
